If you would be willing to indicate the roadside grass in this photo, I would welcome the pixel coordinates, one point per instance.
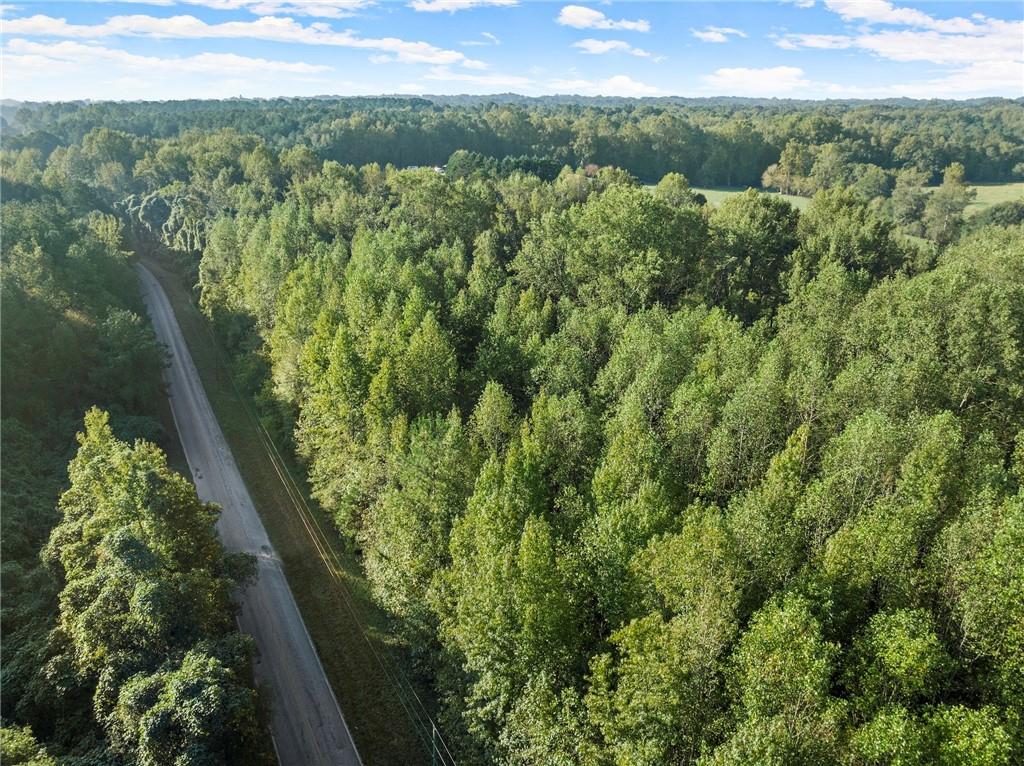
(348, 630)
(170, 443)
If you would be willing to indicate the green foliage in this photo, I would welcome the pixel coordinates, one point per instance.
(839, 228)
(782, 665)
(198, 712)
(494, 422)
(674, 189)
(640, 481)
(780, 678)
(980, 558)
(144, 583)
(909, 198)
(19, 748)
(661, 699)
(72, 336)
(621, 247)
(428, 369)
(898, 660)
(407, 531)
(127, 344)
(871, 182)
(943, 213)
(753, 235)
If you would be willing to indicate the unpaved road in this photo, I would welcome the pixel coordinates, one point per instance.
(307, 724)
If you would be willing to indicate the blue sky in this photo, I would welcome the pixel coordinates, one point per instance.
(170, 49)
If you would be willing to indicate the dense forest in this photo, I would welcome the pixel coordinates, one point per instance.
(120, 644)
(640, 480)
(713, 142)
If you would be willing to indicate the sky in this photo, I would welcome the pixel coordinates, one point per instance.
(175, 49)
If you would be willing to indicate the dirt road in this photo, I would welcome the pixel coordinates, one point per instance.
(307, 724)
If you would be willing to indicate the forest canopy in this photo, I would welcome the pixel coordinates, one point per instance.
(714, 142)
(639, 479)
(120, 645)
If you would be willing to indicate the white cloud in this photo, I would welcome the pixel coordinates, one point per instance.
(799, 3)
(572, 86)
(60, 71)
(970, 47)
(451, 6)
(716, 34)
(19, 50)
(794, 42)
(284, 30)
(619, 85)
(709, 36)
(598, 47)
(490, 80)
(884, 12)
(489, 39)
(328, 9)
(747, 81)
(981, 79)
(1001, 42)
(976, 80)
(581, 17)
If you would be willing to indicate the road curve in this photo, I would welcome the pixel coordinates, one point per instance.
(306, 722)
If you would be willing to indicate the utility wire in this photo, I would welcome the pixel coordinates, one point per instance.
(426, 728)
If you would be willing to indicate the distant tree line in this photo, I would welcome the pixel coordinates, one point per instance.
(714, 142)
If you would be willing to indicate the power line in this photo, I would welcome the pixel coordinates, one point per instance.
(427, 730)
(324, 548)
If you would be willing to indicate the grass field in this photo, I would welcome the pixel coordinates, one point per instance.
(993, 194)
(363, 664)
(987, 195)
(717, 195)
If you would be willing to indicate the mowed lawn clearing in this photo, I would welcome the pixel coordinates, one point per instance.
(987, 195)
(717, 195)
(992, 194)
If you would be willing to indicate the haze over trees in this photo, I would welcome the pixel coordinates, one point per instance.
(640, 480)
(714, 142)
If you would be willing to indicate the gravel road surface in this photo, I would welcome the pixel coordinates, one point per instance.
(307, 724)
